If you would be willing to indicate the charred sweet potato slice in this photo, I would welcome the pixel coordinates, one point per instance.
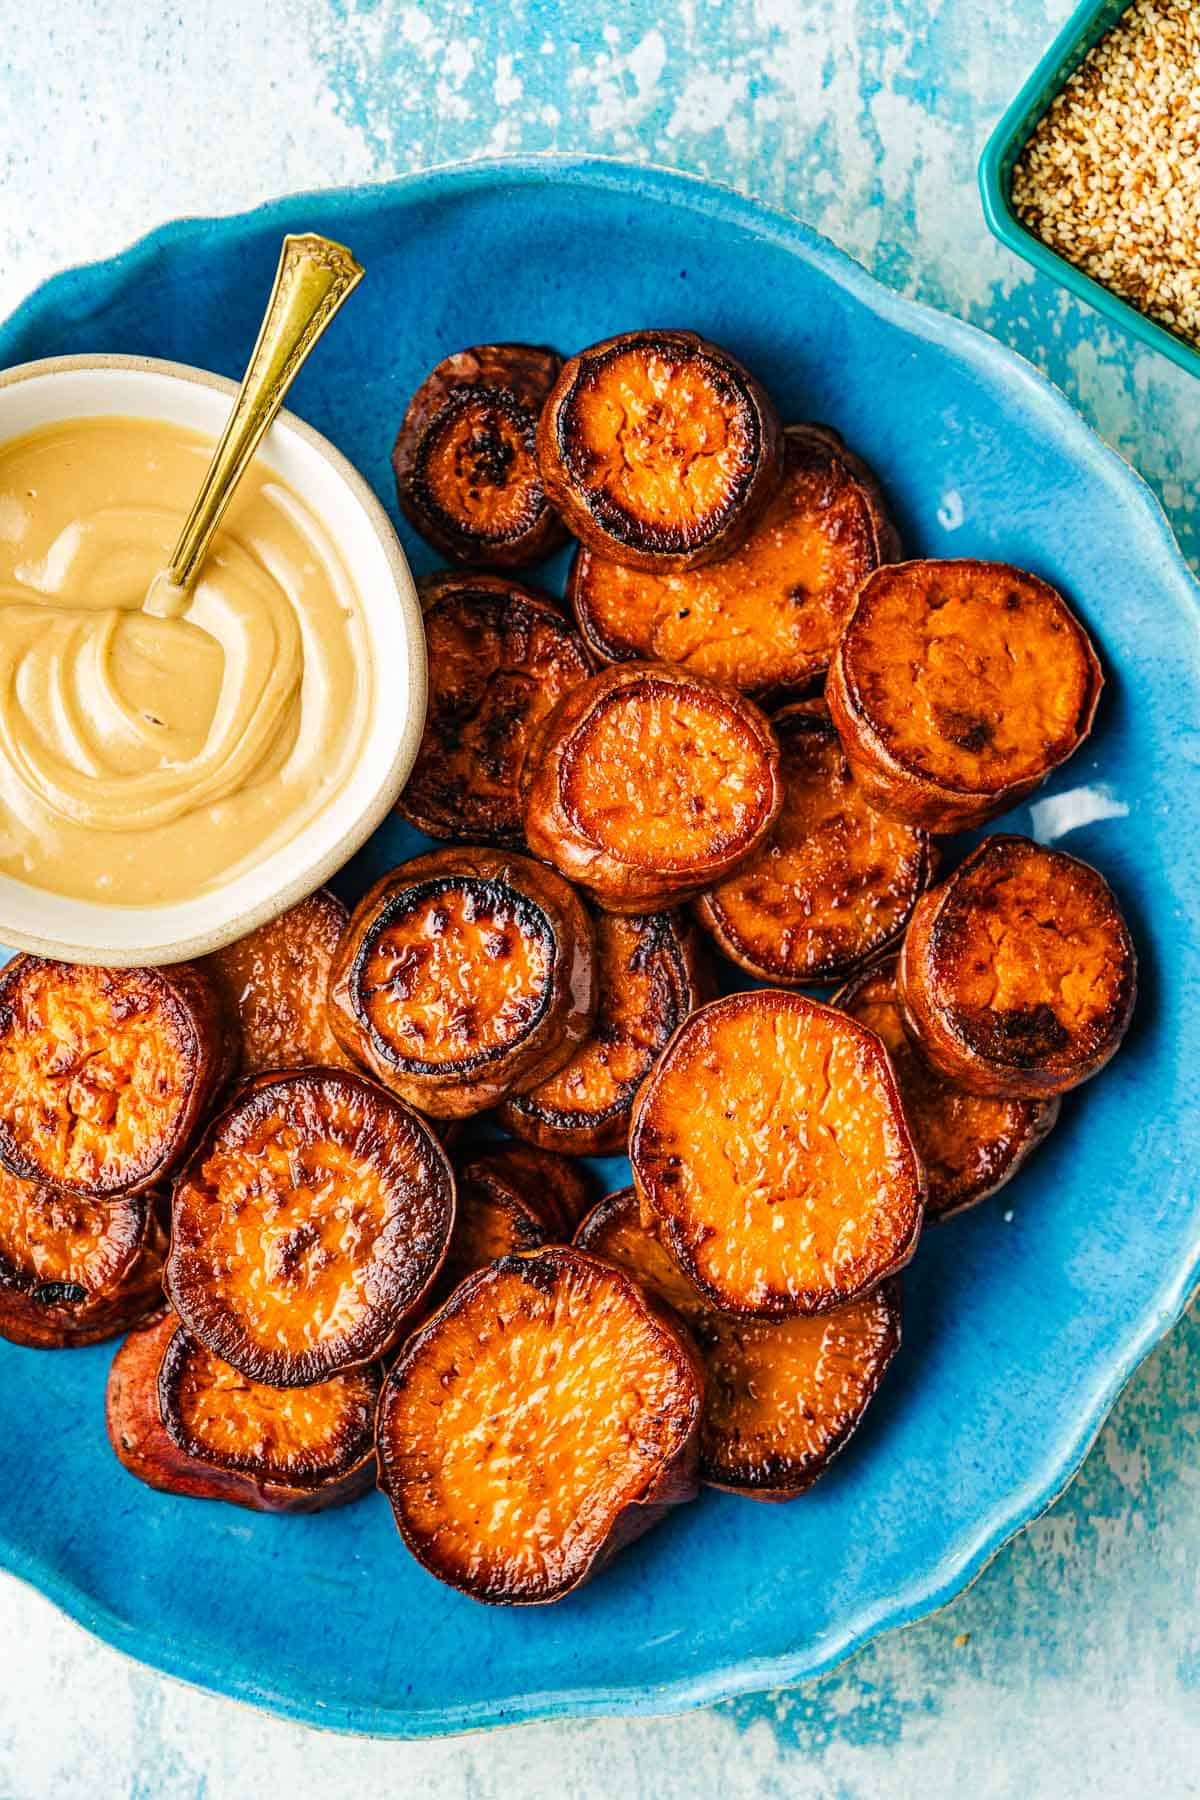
(494, 1216)
(275, 983)
(465, 976)
(970, 1144)
(835, 881)
(658, 449)
(557, 1188)
(650, 784)
(771, 1156)
(500, 659)
(650, 978)
(186, 1423)
(766, 617)
(1018, 975)
(74, 1271)
(105, 1073)
(308, 1225)
(957, 687)
(465, 458)
(783, 1396)
(545, 1416)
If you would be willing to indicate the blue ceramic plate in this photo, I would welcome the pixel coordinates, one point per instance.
(1024, 1317)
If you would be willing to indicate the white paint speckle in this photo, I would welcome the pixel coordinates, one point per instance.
(951, 512)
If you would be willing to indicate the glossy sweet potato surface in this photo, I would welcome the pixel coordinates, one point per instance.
(1018, 974)
(650, 977)
(649, 784)
(75, 1271)
(105, 1073)
(783, 1396)
(957, 687)
(771, 1156)
(496, 1214)
(298, 1437)
(275, 984)
(766, 617)
(558, 1188)
(500, 659)
(465, 976)
(465, 457)
(970, 1145)
(184, 1422)
(546, 1415)
(308, 1226)
(835, 881)
(658, 449)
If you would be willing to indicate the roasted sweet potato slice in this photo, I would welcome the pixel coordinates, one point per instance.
(658, 449)
(105, 1073)
(500, 659)
(649, 784)
(497, 1213)
(465, 976)
(184, 1422)
(771, 1156)
(1018, 975)
(650, 977)
(545, 1416)
(970, 1144)
(557, 1188)
(783, 1396)
(465, 459)
(766, 617)
(835, 881)
(74, 1271)
(308, 1226)
(275, 983)
(957, 687)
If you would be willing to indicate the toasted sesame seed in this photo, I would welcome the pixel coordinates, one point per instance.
(1110, 177)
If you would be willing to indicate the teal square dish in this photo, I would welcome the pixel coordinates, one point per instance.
(1085, 27)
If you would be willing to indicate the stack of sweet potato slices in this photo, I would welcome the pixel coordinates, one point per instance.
(742, 756)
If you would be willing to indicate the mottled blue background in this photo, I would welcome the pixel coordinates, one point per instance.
(1073, 1665)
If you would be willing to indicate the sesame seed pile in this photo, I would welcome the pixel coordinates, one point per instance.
(1111, 176)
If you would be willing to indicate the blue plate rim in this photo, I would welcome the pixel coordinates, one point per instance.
(929, 1589)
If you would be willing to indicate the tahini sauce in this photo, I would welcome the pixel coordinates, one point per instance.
(147, 759)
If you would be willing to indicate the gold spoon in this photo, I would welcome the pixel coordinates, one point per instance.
(314, 276)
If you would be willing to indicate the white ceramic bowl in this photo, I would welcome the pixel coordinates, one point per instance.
(67, 387)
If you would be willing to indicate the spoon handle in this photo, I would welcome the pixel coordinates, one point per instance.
(313, 278)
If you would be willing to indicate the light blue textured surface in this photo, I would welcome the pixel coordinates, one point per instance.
(1082, 1658)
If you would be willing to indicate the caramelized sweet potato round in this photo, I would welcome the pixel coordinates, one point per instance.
(275, 983)
(465, 976)
(783, 1396)
(970, 1144)
(465, 458)
(105, 1073)
(308, 1226)
(650, 978)
(658, 449)
(186, 1423)
(544, 1417)
(957, 687)
(557, 1188)
(74, 1271)
(1018, 975)
(771, 1156)
(500, 659)
(766, 617)
(835, 881)
(649, 784)
(496, 1214)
